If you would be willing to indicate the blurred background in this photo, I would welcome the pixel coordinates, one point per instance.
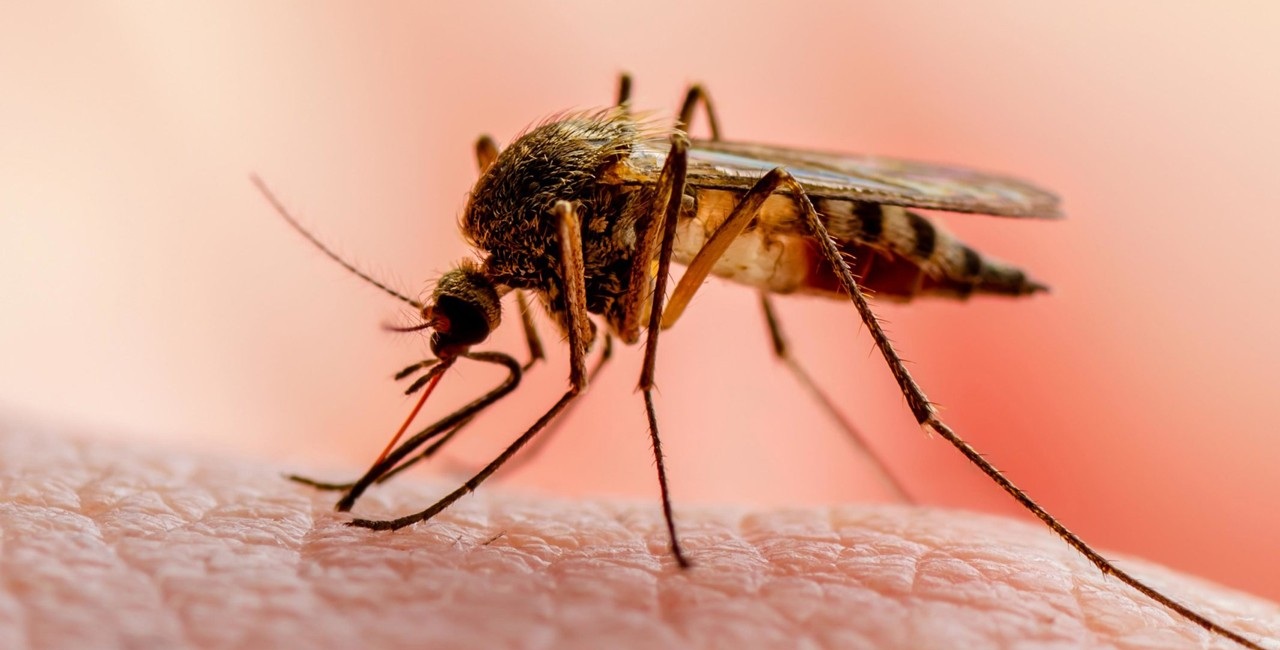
(150, 294)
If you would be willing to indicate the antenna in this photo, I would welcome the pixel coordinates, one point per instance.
(279, 208)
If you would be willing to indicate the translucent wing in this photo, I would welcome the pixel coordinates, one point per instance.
(721, 164)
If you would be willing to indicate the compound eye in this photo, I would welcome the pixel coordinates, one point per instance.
(458, 323)
(465, 310)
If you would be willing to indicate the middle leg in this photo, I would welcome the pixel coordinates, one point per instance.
(782, 350)
(658, 238)
(537, 446)
(578, 326)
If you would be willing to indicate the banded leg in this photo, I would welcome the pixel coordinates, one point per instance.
(578, 326)
(927, 416)
(783, 351)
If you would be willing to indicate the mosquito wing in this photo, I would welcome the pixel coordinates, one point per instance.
(873, 179)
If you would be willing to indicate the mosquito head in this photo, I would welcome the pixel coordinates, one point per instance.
(464, 309)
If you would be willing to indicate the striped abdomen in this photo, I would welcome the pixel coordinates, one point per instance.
(895, 253)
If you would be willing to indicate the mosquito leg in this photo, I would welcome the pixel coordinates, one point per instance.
(927, 417)
(624, 91)
(783, 352)
(427, 453)
(439, 427)
(693, 97)
(576, 318)
(475, 481)
(319, 485)
(486, 152)
(649, 242)
(578, 325)
(406, 372)
(662, 230)
(450, 424)
(536, 352)
(700, 267)
(537, 446)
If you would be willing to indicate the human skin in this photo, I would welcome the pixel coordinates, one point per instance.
(150, 292)
(109, 546)
(144, 264)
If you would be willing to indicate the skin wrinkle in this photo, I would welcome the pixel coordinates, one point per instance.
(148, 585)
(992, 587)
(204, 553)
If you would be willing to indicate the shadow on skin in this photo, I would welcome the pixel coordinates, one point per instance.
(110, 546)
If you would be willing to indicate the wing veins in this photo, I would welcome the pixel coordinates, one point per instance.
(873, 179)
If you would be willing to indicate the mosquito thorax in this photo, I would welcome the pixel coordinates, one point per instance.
(464, 309)
(509, 211)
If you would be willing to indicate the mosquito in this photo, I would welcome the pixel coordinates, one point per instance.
(587, 211)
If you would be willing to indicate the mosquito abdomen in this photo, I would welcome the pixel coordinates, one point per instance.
(895, 253)
(910, 244)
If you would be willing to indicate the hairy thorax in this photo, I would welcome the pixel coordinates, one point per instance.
(509, 216)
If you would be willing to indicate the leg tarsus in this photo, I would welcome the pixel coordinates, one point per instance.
(673, 174)
(577, 324)
(475, 481)
(319, 485)
(927, 416)
(442, 425)
(537, 446)
(667, 513)
(1074, 541)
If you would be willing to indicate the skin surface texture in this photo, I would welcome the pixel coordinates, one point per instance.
(109, 546)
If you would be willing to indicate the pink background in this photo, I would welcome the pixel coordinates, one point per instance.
(150, 293)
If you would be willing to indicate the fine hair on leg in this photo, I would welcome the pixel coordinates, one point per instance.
(658, 237)
(927, 416)
(577, 325)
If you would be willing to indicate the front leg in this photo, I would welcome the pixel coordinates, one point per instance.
(659, 237)
(578, 327)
